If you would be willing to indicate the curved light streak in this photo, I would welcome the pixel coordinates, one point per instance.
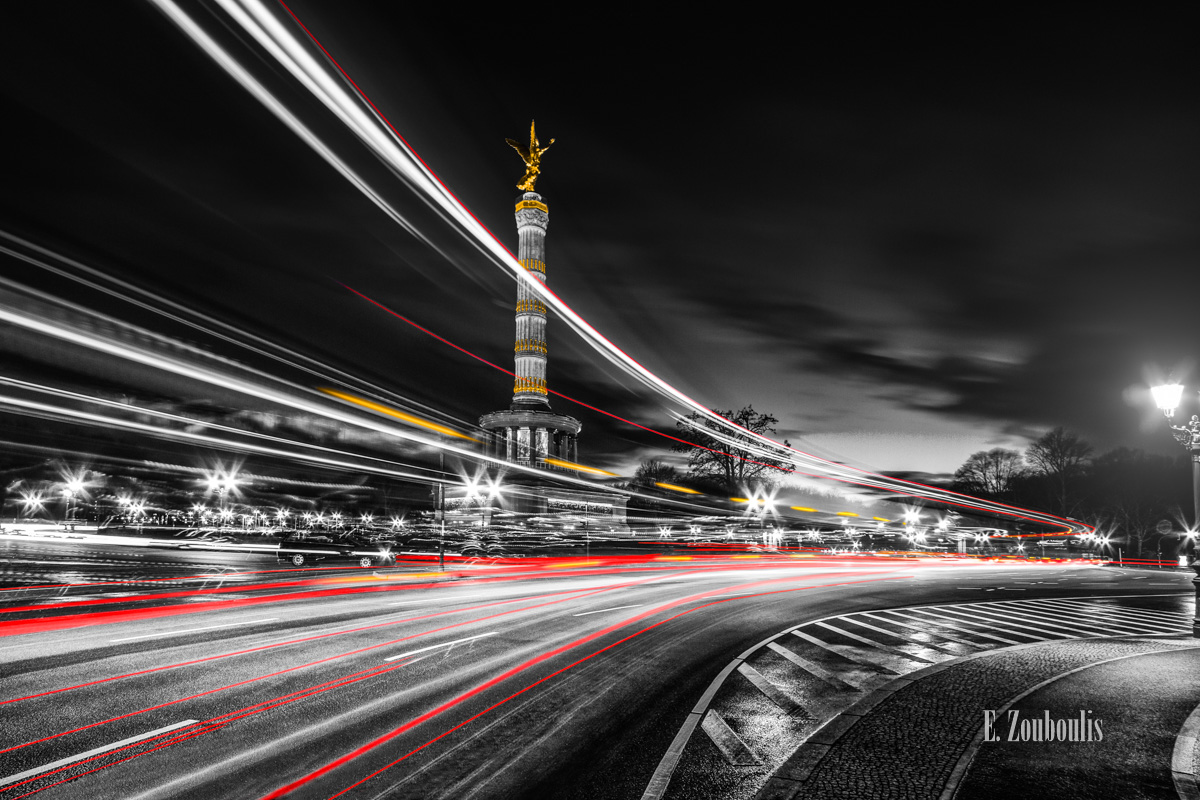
(377, 133)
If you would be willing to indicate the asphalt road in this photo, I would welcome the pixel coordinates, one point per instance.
(540, 679)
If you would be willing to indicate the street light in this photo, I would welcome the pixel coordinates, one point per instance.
(68, 496)
(1167, 398)
(31, 502)
(73, 488)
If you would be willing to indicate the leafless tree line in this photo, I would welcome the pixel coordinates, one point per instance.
(1124, 492)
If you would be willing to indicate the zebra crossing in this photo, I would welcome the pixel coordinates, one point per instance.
(810, 673)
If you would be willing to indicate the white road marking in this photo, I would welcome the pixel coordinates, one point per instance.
(813, 669)
(1043, 623)
(602, 610)
(887, 648)
(736, 751)
(1122, 615)
(443, 644)
(1072, 620)
(900, 635)
(997, 622)
(765, 685)
(194, 630)
(96, 751)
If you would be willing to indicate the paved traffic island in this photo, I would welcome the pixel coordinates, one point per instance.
(771, 723)
(921, 737)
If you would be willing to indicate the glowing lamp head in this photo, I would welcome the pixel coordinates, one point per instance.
(1167, 396)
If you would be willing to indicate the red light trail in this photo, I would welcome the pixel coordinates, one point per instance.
(284, 790)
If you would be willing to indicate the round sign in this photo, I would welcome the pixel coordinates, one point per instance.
(1163, 526)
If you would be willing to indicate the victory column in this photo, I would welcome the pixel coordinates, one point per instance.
(529, 432)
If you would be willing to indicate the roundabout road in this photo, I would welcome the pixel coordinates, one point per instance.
(544, 678)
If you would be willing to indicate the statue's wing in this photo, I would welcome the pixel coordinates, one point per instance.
(515, 145)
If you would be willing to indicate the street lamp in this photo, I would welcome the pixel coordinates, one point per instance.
(31, 503)
(73, 488)
(1167, 398)
(69, 496)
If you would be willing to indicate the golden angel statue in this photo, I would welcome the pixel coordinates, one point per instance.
(532, 158)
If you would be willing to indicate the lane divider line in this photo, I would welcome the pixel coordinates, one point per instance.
(443, 644)
(602, 610)
(195, 630)
(93, 752)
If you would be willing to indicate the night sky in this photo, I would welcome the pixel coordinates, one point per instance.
(907, 238)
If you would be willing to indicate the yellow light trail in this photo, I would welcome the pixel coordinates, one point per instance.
(572, 465)
(675, 488)
(391, 412)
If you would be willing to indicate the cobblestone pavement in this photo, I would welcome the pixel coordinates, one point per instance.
(909, 744)
(1142, 704)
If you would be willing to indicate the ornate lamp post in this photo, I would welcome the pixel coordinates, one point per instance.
(74, 488)
(1167, 398)
(69, 514)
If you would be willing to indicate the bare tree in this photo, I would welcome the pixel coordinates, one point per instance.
(654, 471)
(725, 455)
(990, 472)
(1061, 457)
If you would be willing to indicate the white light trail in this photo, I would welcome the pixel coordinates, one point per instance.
(264, 25)
(291, 396)
(177, 312)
